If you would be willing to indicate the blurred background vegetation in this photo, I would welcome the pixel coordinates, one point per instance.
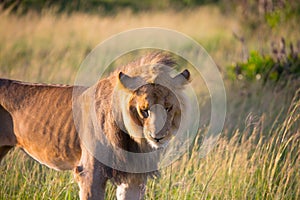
(264, 31)
(255, 44)
(271, 10)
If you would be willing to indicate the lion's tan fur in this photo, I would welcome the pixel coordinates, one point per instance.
(38, 118)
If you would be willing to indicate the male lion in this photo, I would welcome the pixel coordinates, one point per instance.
(138, 109)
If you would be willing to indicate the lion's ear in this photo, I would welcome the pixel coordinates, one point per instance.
(182, 78)
(128, 82)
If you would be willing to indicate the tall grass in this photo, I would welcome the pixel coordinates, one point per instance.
(258, 162)
(257, 156)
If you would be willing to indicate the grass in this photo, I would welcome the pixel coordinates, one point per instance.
(260, 161)
(257, 156)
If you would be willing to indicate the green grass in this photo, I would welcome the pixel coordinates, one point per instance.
(257, 156)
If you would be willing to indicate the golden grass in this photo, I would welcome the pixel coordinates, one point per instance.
(259, 161)
(55, 45)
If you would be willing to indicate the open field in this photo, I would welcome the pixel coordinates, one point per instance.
(257, 156)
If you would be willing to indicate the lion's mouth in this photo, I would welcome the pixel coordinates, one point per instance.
(156, 139)
(156, 142)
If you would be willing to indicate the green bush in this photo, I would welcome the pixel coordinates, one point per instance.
(279, 66)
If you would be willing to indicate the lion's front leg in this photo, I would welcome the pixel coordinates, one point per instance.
(90, 177)
(130, 191)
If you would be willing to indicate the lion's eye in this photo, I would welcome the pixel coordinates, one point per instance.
(168, 109)
(145, 113)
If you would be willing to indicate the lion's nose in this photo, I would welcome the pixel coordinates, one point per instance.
(159, 117)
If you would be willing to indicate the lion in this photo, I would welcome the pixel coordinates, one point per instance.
(138, 108)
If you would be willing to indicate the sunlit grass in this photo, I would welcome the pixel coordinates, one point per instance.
(256, 163)
(257, 156)
(50, 47)
(260, 160)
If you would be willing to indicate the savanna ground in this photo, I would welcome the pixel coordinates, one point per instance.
(257, 155)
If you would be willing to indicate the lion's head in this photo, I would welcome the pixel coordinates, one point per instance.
(151, 110)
